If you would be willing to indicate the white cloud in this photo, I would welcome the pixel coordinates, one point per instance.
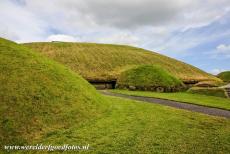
(152, 24)
(134, 13)
(62, 37)
(19, 24)
(170, 27)
(5, 32)
(120, 38)
(223, 49)
(217, 71)
(29, 20)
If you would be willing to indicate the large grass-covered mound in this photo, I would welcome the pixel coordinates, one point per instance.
(225, 76)
(39, 96)
(106, 62)
(149, 77)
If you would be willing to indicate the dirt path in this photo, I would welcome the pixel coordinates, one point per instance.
(179, 105)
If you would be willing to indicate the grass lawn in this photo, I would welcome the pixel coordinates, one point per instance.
(210, 101)
(132, 127)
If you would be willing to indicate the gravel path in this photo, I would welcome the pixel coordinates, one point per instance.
(179, 105)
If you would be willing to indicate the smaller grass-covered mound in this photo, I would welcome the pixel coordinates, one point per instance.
(218, 92)
(149, 77)
(225, 76)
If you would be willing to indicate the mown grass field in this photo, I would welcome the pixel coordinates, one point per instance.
(106, 62)
(43, 102)
(211, 101)
(133, 127)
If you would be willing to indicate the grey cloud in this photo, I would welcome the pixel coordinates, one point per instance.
(152, 21)
(126, 14)
(129, 13)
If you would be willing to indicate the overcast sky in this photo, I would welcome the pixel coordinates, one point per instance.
(194, 31)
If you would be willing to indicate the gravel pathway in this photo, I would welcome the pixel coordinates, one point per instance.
(179, 105)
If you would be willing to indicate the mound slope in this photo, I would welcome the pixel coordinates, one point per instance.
(225, 76)
(39, 96)
(106, 62)
(149, 77)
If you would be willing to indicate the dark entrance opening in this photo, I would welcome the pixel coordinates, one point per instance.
(104, 84)
(190, 83)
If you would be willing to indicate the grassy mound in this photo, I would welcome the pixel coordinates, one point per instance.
(149, 77)
(225, 76)
(106, 62)
(218, 92)
(39, 96)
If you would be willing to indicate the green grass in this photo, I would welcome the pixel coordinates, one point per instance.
(43, 102)
(225, 76)
(218, 92)
(106, 61)
(204, 100)
(134, 127)
(38, 95)
(148, 76)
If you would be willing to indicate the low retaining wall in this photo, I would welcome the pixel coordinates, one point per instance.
(227, 89)
(228, 92)
(100, 84)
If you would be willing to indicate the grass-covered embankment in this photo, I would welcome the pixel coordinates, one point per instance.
(213, 91)
(211, 101)
(106, 61)
(225, 76)
(39, 96)
(149, 77)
